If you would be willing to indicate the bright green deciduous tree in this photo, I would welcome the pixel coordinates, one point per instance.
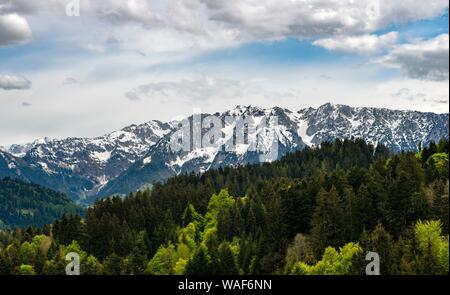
(333, 262)
(432, 246)
(26, 270)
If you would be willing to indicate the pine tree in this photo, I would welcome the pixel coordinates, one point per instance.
(408, 181)
(328, 223)
(200, 263)
(381, 242)
(138, 257)
(227, 261)
(113, 265)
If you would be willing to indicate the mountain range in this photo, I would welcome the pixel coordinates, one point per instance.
(140, 155)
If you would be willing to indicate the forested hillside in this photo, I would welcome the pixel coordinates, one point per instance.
(23, 204)
(318, 211)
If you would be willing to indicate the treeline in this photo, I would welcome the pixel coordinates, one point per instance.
(318, 211)
(23, 204)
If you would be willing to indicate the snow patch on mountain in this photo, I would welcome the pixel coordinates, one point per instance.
(139, 155)
(95, 160)
(147, 160)
(101, 156)
(20, 150)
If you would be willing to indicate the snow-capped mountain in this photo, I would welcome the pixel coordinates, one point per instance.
(397, 130)
(139, 155)
(20, 150)
(162, 161)
(83, 165)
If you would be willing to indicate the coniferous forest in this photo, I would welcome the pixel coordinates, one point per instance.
(22, 204)
(317, 211)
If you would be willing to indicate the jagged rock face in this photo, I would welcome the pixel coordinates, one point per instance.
(84, 165)
(137, 156)
(20, 150)
(397, 130)
(162, 161)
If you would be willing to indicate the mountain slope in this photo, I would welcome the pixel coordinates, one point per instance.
(162, 162)
(140, 155)
(397, 130)
(81, 166)
(23, 204)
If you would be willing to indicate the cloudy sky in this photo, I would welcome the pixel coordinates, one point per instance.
(129, 61)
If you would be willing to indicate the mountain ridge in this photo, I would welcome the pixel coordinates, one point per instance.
(139, 155)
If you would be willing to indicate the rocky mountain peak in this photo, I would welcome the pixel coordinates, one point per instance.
(139, 155)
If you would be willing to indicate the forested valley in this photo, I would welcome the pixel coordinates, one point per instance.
(317, 211)
(23, 204)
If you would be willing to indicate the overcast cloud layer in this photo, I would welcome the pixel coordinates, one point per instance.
(147, 59)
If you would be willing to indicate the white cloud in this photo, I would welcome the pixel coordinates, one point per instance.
(93, 47)
(31, 7)
(402, 11)
(14, 29)
(418, 94)
(364, 44)
(121, 12)
(195, 90)
(408, 94)
(177, 25)
(325, 77)
(198, 24)
(426, 59)
(268, 19)
(70, 81)
(9, 82)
